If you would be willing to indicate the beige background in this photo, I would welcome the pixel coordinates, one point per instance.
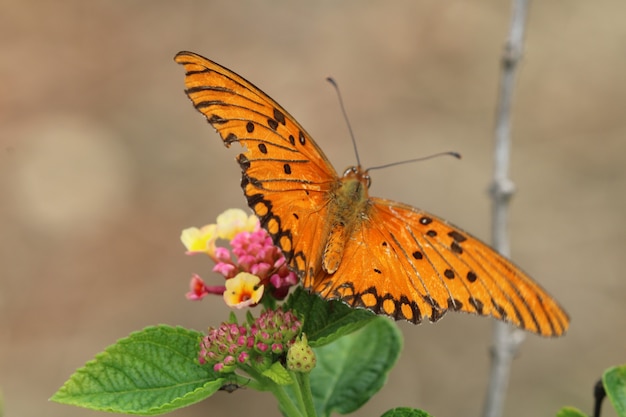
(103, 161)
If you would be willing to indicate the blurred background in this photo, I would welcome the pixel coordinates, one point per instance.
(103, 161)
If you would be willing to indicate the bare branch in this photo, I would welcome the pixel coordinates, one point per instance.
(506, 340)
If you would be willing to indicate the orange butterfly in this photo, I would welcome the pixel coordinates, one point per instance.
(368, 252)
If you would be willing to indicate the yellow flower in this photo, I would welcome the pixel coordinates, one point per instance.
(234, 221)
(200, 240)
(243, 290)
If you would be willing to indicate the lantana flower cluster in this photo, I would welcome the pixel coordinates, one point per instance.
(232, 345)
(251, 268)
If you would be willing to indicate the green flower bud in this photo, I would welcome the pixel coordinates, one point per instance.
(300, 356)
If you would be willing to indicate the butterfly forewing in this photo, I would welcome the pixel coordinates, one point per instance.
(242, 113)
(393, 259)
(286, 177)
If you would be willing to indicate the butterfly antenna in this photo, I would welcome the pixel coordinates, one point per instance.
(423, 158)
(345, 116)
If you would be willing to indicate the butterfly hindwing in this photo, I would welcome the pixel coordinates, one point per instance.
(416, 265)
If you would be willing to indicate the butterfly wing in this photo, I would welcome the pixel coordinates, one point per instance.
(286, 177)
(408, 264)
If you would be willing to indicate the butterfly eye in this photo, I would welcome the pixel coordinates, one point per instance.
(367, 179)
(350, 171)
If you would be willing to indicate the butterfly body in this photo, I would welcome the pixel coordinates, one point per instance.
(368, 252)
(348, 208)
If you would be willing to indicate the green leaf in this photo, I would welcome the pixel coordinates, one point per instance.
(614, 380)
(352, 369)
(570, 412)
(278, 374)
(406, 412)
(326, 321)
(150, 372)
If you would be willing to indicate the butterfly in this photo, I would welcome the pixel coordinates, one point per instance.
(368, 252)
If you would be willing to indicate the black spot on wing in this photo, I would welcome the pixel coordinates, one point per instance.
(255, 199)
(499, 309)
(458, 237)
(436, 312)
(230, 138)
(477, 304)
(273, 124)
(454, 304)
(216, 119)
(247, 180)
(456, 248)
(279, 116)
(244, 163)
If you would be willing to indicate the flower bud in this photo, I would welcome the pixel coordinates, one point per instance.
(300, 356)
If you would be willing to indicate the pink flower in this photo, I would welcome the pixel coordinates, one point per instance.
(231, 344)
(253, 252)
(282, 279)
(199, 289)
(228, 270)
(257, 254)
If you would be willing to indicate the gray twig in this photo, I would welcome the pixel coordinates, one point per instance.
(506, 340)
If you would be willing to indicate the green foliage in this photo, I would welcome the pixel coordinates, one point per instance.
(614, 383)
(278, 374)
(150, 372)
(405, 412)
(156, 370)
(326, 321)
(352, 369)
(570, 412)
(614, 380)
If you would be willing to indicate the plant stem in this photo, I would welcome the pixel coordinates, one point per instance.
(305, 385)
(298, 391)
(286, 405)
(506, 341)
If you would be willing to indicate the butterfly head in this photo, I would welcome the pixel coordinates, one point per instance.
(359, 174)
